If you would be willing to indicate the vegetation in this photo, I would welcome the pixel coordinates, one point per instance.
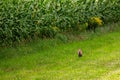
(56, 29)
(93, 23)
(53, 60)
(24, 20)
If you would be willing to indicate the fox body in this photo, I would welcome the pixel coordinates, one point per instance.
(79, 53)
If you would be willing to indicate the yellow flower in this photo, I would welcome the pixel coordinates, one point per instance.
(96, 20)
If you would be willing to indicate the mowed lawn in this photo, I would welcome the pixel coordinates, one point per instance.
(100, 61)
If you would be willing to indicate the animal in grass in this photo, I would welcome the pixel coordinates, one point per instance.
(79, 53)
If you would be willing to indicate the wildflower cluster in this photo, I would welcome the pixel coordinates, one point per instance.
(96, 20)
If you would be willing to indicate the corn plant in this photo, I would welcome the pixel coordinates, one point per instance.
(24, 19)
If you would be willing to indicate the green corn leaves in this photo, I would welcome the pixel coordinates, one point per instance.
(23, 19)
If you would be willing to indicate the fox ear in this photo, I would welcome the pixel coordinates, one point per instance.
(79, 50)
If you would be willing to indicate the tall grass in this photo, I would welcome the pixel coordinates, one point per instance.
(22, 20)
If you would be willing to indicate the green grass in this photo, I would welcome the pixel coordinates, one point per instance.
(58, 61)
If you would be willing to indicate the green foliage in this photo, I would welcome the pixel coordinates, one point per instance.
(22, 19)
(62, 38)
(48, 32)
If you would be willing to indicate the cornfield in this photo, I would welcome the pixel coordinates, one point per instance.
(22, 20)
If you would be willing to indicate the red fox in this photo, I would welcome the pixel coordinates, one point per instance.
(79, 53)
